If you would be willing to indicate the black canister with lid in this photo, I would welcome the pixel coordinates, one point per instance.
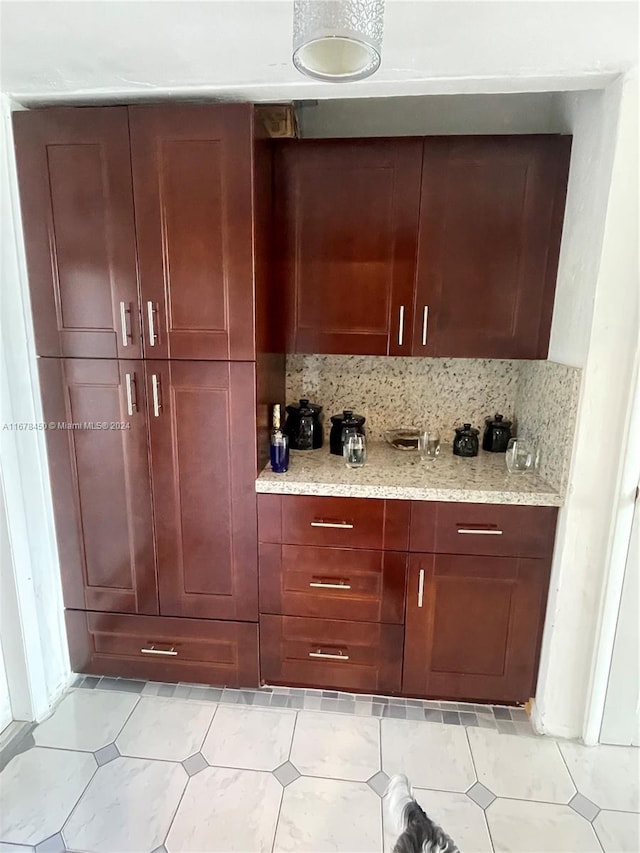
(466, 441)
(342, 425)
(497, 433)
(304, 426)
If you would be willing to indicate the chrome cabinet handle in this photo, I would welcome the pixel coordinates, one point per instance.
(479, 531)
(124, 310)
(328, 655)
(425, 320)
(152, 329)
(153, 651)
(329, 585)
(401, 326)
(420, 587)
(132, 403)
(338, 525)
(155, 389)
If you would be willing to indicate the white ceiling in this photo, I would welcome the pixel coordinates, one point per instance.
(90, 51)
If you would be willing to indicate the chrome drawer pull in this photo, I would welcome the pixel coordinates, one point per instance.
(401, 326)
(123, 323)
(131, 405)
(420, 587)
(425, 320)
(155, 388)
(328, 655)
(338, 525)
(152, 330)
(329, 585)
(153, 651)
(480, 532)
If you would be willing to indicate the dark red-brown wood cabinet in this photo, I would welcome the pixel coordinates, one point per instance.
(437, 247)
(147, 251)
(476, 604)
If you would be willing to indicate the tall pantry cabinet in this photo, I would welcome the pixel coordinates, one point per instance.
(146, 233)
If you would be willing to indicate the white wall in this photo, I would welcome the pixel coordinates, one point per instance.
(32, 625)
(596, 327)
(432, 115)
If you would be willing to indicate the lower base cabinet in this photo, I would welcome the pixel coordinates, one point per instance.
(362, 657)
(473, 627)
(163, 648)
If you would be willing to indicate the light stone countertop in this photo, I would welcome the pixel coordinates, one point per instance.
(399, 474)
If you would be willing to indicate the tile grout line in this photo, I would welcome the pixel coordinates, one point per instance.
(475, 773)
(575, 785)
(275, 828)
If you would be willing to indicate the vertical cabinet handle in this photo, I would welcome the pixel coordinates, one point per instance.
(125, 308)
(420, 587)
(401, 326)
(132, 402)
(152, 329)
(155, 391)
(425, 320)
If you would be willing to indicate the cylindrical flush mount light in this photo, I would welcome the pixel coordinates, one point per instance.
(337, 40)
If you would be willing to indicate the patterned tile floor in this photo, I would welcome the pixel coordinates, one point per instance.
(126, 766)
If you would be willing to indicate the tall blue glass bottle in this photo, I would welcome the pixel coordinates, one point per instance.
(278, 445)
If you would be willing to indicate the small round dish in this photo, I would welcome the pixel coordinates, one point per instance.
(404, 438)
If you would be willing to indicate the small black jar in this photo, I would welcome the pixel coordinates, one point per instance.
(497, 433)
(340, 426)
(466, 441)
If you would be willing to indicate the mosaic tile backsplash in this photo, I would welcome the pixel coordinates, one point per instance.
(444, 393)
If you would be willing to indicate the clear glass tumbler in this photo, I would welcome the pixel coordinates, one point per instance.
(354, 450)
(429, 445)
(520, 456)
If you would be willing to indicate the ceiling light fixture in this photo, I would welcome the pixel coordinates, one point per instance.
(337, 40)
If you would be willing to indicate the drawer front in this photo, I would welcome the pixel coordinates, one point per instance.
(344, 522)
(332, 583)
(162, 648)
(484, 529)
(356, 656)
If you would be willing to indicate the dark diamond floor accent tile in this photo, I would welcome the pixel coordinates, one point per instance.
(286, 773)
(584, 807)
(481, 795)
(54, 844)
(106, 754)
(161, 849)
(378, 782)
(195, 763)
(501, 713)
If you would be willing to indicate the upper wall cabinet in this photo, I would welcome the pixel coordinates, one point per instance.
(490, 224)
(188, 173)
(485, 214)
(193, 202)
(347, 224)
(77, 209)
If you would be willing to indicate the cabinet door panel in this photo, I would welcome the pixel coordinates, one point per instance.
(490, 225)
(100, 483)
(192, 168)
(74, 173)
(203, 474)
(474, 632)
(348, 212)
